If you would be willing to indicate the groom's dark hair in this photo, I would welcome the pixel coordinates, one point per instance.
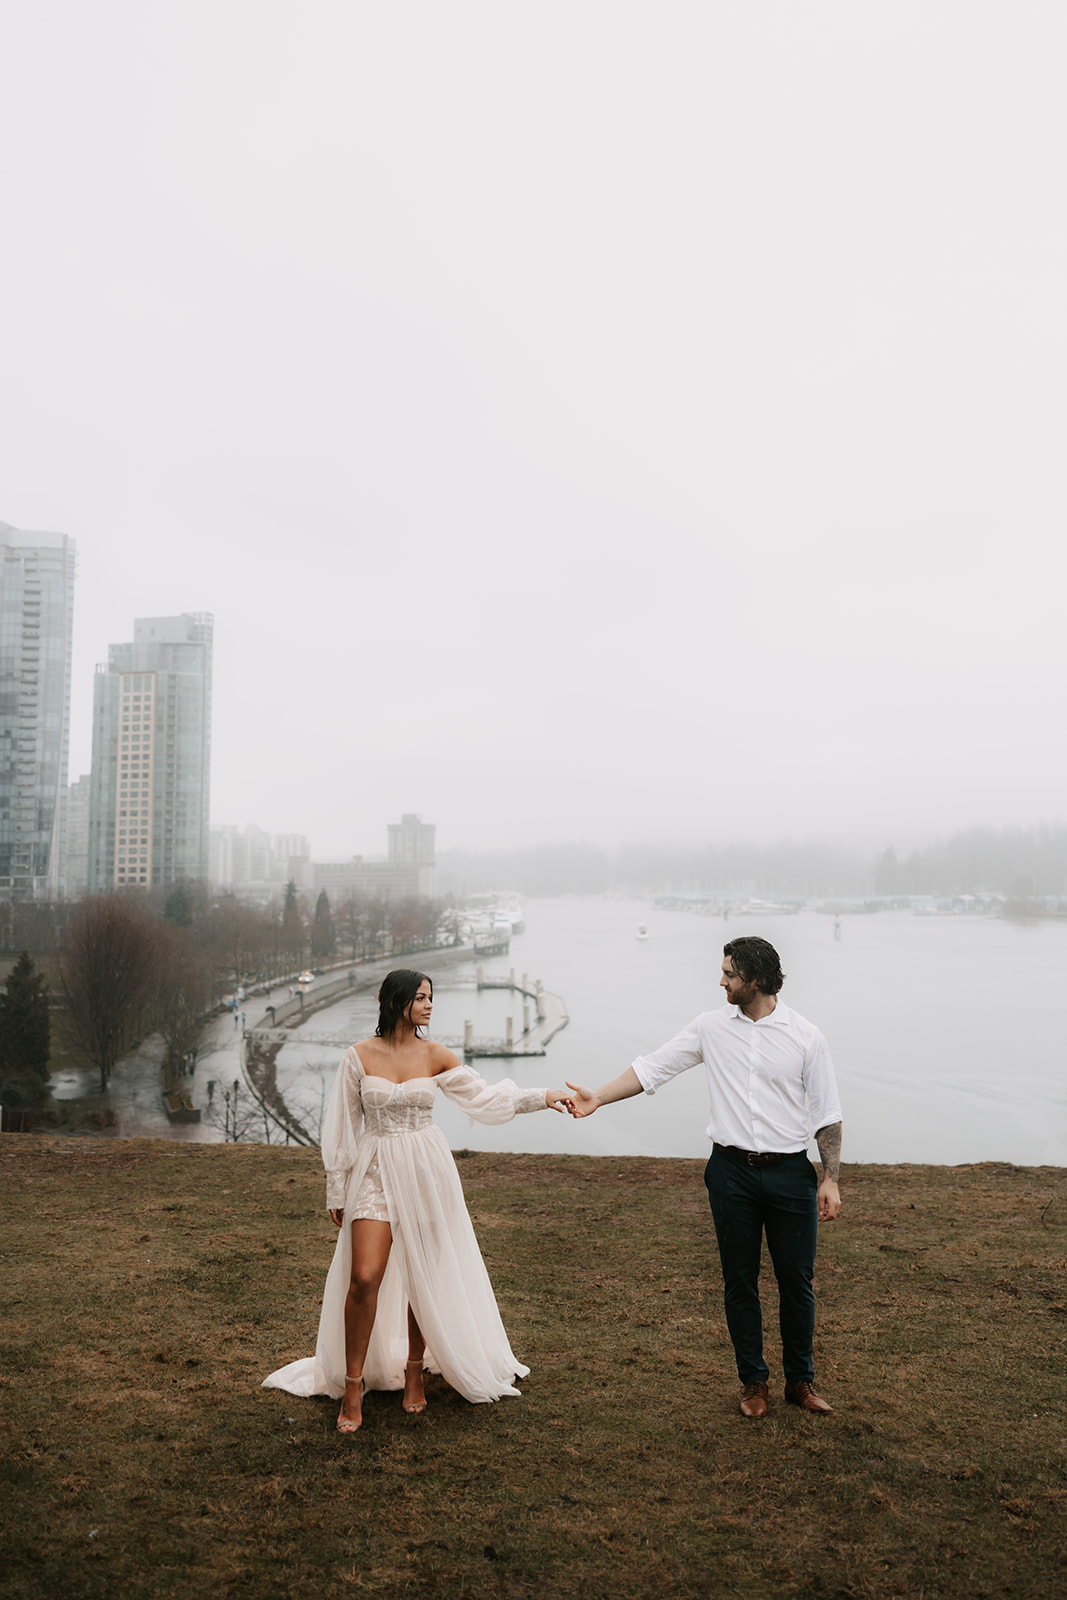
(757, 962)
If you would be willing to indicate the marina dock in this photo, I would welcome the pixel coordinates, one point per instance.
(542, 1016)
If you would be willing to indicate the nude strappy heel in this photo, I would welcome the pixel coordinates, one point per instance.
(345, 1424)
(417, 1406)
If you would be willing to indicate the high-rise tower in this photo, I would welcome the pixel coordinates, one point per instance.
(148, 809)
(411, 845)
(36, 618)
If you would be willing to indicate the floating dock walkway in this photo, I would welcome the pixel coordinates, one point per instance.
(548, 1017)
(543, 1016)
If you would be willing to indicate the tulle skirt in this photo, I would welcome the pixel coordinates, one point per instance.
(435, 1266)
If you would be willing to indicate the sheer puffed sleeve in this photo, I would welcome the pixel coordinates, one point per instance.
(340, 1129)
(488, 1102)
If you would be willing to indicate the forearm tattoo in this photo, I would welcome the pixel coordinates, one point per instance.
(829, 1141)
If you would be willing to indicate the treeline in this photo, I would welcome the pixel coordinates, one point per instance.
(1019, 863)
(114, 969)
(547, 869)
(784, 868)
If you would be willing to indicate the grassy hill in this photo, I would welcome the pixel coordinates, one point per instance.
(147, 1287)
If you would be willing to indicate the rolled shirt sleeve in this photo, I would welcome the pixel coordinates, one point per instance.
(770, 1079)
(685, 1050)
(820, 1084)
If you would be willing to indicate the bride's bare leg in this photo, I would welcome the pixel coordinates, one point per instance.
(371, 1243)
(414, 1393)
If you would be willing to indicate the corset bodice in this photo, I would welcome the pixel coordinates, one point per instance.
(392, 1109)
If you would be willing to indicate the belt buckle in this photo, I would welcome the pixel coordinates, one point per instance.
(753, 1158)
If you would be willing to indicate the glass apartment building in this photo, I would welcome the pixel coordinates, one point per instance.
(36, 620)
(151, 770)
(78, 837)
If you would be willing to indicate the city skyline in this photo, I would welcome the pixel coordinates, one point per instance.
(37, 573)
(258, 862)
(151, 766)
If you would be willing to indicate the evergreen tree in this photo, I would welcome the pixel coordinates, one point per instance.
(323, 934)
(24, 1036)
(179, 906)
(292, 924)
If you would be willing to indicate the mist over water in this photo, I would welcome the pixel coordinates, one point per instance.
(947, 1032)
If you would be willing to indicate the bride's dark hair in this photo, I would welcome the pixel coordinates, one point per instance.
(398, 990)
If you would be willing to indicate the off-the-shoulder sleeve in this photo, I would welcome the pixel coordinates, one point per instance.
(488, 1102)
(340, 1129)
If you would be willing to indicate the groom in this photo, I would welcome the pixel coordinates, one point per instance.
(770, 1077)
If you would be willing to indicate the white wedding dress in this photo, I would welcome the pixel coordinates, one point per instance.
(434, 1264)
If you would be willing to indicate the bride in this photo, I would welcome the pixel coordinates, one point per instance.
(407, 1290)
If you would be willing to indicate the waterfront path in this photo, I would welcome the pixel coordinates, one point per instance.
(136, 1083)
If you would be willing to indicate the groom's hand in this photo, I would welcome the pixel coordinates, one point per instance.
(585, 1101)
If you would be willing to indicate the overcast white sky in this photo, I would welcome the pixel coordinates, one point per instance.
(584, 420)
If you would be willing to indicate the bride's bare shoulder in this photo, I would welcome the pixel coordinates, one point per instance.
(442, 1059)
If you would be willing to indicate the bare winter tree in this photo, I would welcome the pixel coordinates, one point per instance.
(107, 968)
(346, 921)
(239, 935)
(414, 923)
(244, 1118)
(181, 999)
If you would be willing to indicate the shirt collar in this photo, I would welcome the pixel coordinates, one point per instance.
(780, 1014)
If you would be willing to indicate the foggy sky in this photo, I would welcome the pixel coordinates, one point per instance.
(584, 420)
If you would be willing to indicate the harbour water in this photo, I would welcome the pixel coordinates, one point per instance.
(949, 1034)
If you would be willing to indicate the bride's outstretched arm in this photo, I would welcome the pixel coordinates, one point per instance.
(586, 1101)
(491, 1103)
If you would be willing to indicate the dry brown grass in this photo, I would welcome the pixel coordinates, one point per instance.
(147, 1287)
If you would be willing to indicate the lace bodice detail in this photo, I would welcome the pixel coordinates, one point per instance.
(392, 1109)
(365, 1108)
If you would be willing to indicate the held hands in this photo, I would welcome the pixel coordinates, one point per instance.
(579, 1102)
(583, 1102)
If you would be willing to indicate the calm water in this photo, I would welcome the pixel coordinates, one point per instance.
(949, 1034)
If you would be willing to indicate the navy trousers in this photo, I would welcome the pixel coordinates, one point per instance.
(781, 1201)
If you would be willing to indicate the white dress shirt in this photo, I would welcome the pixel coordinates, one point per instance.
(770, 1083)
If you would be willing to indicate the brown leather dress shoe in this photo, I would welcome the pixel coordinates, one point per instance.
(754, 1400)
(803, 1395)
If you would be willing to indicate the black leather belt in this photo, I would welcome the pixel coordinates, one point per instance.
(752, 1158)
